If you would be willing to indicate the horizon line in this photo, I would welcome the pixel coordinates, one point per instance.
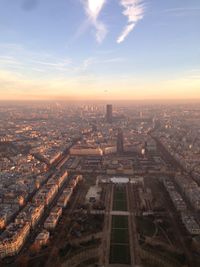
(103, 100)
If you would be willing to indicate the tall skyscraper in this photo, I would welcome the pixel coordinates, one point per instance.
(109, 113)
(120, 142)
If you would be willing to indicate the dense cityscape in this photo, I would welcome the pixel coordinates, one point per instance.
(98, 185)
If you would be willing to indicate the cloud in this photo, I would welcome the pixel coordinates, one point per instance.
(93, 9)
(101, 31)
(57, 65)
(134, 11)
(125, 32)
(8, 60)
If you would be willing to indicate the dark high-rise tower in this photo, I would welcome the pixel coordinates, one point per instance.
(120, 142)
(109, 113)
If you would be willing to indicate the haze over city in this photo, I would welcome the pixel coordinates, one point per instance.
(99, 50)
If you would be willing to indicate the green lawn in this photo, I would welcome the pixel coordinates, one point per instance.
(119, 205)
(119, 221)
(119, 199)
(119, 248)
(120, 195)
(119, 254)
(119, 236)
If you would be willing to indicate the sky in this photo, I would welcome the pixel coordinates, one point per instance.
(99, 49)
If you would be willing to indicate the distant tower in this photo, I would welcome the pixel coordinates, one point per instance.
(120, 142)
(109, 113)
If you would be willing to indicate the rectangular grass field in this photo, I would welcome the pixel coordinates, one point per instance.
(119, 245)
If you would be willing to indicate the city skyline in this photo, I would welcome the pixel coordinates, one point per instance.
(110, 50)
(98, 185)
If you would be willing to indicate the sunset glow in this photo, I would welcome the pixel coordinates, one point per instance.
(100, 50)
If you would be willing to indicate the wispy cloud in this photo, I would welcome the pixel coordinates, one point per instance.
(27, 62)
(125, 32)
(42, 65)
(134, 11)
(58, 65)
(93, 9)
(8, 60)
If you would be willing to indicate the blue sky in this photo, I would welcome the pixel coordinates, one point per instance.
(78, 49)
